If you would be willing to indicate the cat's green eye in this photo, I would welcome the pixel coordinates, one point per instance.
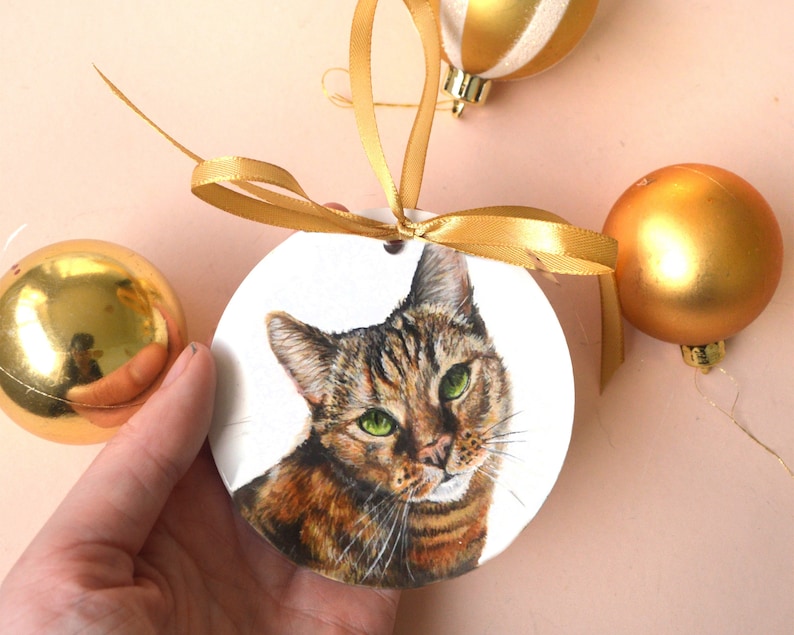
(455, 382)
(377, 423)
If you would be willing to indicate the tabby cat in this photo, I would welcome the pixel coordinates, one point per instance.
(393, 483)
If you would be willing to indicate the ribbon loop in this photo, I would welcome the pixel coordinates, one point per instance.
(522, 236)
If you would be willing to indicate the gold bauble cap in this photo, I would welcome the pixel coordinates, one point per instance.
(700, 253)
(89, 329)
(465, 88)
(705, 356)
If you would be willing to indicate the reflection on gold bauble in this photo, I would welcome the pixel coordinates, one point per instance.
(88, 331)
(699, 256)
(505, 39)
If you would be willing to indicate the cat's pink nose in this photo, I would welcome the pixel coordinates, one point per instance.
(436, 452)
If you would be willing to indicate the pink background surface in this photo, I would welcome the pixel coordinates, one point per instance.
(666, 518)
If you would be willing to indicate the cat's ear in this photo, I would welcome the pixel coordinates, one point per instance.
(305, 352)
(442, 277)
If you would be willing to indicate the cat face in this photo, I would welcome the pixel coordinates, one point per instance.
(410, 407)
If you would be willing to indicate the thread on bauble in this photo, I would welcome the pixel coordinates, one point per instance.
(341, 101)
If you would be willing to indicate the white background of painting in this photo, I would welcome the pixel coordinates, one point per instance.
(337, 283)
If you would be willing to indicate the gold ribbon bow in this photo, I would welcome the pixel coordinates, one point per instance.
(522, 236)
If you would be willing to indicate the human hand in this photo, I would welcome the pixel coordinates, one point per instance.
(148, 541)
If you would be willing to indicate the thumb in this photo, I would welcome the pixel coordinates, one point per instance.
(120, 496)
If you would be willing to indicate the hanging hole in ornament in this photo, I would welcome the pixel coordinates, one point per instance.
(394, 247)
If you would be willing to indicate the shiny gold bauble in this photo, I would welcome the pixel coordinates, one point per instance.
(88, 331)
(505, 39)
(700, 255)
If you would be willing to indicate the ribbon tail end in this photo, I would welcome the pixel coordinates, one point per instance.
(612, 344)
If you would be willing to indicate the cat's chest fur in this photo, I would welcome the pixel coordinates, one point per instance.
(319, 518)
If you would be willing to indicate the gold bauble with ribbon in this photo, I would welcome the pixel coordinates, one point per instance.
(89, 329)
(700, 255)
(485, 40)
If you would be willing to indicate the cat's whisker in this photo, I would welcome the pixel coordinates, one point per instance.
(372, 515)
(508, 455)
(378, 513)
(396, 515)
(367, 499)
(502, 422)
(504, 434)
(495, 478)
(503, 441)
(238, 430)
(400, 519)
(405, 538)
(365, 547)
(393, 517)
(370, 510)
(230, 424)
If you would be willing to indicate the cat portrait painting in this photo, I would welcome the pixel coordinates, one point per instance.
(408, 424)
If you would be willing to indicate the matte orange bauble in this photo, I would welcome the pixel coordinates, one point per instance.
(700, 255)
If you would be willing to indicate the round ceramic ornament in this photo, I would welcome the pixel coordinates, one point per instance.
(389, 419)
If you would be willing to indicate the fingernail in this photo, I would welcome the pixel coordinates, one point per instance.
(180, 364)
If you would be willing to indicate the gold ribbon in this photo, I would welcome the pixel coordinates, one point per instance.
(522, 236)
